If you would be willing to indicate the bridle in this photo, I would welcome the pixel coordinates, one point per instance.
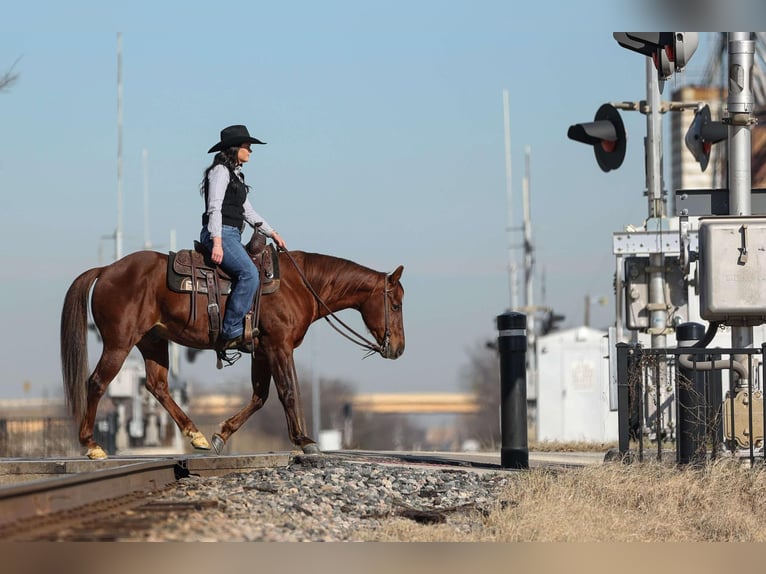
(362, 341)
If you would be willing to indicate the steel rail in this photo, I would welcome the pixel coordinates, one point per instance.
(51, 495)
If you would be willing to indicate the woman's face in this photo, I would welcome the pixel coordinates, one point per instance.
(243, 154)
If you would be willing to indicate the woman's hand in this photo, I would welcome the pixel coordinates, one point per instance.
(276, 238)
(217, 254)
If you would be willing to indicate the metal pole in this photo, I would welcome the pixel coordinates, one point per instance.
(658, 312)
(740, 110)
(529, 261)
(316, 411)
(692, 413)
(118, 231)
(619, 302)
(529, 258)
(653, 143)
(175, 358)
(514, 297)
(740, 119)
(145, 165)
(512, 346)
(316, 405)
(714, 412)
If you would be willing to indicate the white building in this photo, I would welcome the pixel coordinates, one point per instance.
(573, 388)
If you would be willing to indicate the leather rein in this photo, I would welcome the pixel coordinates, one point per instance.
(360, 340)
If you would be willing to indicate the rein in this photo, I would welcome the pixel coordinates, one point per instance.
(360, 340)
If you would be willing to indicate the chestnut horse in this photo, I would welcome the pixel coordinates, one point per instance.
(132, 306)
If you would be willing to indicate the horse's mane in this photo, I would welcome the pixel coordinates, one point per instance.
(342, 273)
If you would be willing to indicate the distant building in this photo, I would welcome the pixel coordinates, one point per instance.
(573, 389)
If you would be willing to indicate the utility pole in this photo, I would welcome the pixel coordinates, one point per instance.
(529, 261)
(528, 246)
(122, 440)
(118, 231)
(316, 390)
(514, 297)
(145, 165)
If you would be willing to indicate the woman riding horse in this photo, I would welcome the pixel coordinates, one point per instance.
(132, 306)
(227, 209)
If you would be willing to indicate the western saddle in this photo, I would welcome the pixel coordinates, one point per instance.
(192, 271)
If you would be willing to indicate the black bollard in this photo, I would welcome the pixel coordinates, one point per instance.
(692, 412)
(512, 347)
(623, 399)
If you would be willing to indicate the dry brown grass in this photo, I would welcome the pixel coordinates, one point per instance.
(647, 502)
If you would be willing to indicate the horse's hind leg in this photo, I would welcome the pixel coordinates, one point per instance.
(261, 379)
(107, 368)
(155, 353)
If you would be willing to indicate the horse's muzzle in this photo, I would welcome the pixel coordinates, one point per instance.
(388, 351)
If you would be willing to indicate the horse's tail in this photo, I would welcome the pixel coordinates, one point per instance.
(74, 342)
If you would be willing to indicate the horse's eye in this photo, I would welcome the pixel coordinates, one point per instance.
(396, 307)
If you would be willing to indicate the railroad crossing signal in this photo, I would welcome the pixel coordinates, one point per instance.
(684, 45)
(670, 51)
(551, 321)
(702, 134)
(606, 133)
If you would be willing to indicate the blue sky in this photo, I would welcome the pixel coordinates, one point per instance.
(384, 126)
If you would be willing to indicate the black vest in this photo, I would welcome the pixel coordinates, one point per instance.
(233, 207)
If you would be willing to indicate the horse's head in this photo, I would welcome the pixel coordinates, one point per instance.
(382, 314)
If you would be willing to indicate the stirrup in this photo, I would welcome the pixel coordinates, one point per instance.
(228, 357)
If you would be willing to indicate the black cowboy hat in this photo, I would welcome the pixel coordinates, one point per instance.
(234, 136)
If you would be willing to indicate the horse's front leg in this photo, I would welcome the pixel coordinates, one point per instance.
(260, 375)
(286, 381)
(155, 353)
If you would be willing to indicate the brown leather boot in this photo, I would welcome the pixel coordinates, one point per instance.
(237, 343)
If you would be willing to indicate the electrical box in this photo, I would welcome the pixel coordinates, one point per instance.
(732, 270)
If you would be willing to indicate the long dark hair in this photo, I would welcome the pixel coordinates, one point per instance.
(227, 158)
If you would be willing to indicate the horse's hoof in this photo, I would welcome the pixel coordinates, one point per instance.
(311, 448)
(96, 453)
(199, 441)
(218, 443)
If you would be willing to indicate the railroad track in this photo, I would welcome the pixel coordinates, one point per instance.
(82, 490)
(60, 496)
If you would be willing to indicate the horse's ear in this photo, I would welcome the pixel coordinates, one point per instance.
(397, 274)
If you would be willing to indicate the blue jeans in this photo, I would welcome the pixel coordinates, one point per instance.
(244, 275)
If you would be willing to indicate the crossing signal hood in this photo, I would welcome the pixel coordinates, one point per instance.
(683, 47)
(670, 51)
(606, 133)
(702, 134)
(551, 322)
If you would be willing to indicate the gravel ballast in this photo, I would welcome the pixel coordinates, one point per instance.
(317, 498)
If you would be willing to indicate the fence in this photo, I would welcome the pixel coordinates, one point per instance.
(697, 404)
